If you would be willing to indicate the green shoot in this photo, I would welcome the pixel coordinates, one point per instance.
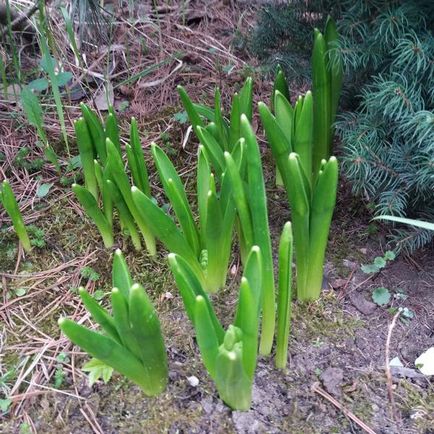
(11, 206)
(284, 297)
(229, 356)
(131, 342)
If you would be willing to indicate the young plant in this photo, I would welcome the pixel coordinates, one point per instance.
(87, 154)
(251, 202)
(379, 262)
(220, 134)
(10, 204)
(327, 75)
(229, 356)
(106, 179)
(33, 110)
(280, 85)
(90, 205)
(312, 196)
(205, 247)
(284, 297)
(131, 342)
(307, 127)
(290, 129)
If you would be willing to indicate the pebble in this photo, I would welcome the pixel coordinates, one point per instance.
(193, 381)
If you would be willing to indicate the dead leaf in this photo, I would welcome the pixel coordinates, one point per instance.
(104, 98)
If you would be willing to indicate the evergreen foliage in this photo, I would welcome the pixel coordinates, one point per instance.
(283, 35)
(387, 50)
(388, 141)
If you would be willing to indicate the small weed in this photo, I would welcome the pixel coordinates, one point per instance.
(98, 294)
(43, 189)
(379, 263)
(5, 404)
(97, 370)
(25, 428)
(381, 296)
(181, 117)
(22, 160)
(90, 274)
(59, 374)
(37, 236)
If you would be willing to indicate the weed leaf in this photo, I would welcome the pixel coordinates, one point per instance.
(381, 296)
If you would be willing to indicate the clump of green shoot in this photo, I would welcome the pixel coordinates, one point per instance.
(228, 355)
(7, 198)
(327, 75)
(216, 132)
(223, 141)
(311, 194)
(107, 184)
(205, 243)
(131, 341)
(219, 133)
(250, 199)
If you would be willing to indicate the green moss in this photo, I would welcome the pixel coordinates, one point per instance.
(418, 403)
(324, 318)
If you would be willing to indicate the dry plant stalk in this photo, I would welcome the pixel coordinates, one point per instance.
(390, 396)
(344, 410)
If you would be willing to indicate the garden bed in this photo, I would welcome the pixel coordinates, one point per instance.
(338, 344)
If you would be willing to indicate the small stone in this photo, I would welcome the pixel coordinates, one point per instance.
(193, 381)
(396, 362)
(349, 264)
(361, 304)
(332, 379)
(207, 405)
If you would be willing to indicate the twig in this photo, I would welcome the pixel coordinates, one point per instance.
(17, 22)
(161, 80)
(344, 410)
(388, 372)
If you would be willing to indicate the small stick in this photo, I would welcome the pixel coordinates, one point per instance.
(388, 372)
(20, 19)
(344, 410)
